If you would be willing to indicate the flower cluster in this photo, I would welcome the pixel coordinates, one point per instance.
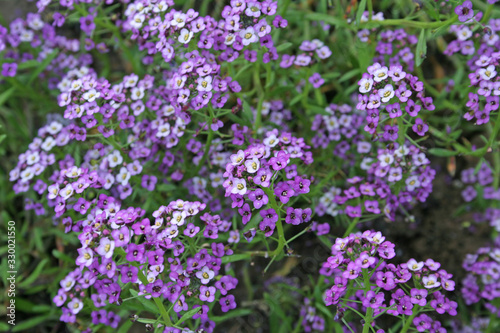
(359, 262)
(398, 176)
(482, 283)
(254, 175)
(123, 246)
(395, 91)
(393, 47)
(311, 49)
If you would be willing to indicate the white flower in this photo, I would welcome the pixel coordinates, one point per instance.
(413, 265)
(380, 74)
(204, 83)
(179, 20)
(115, 159)
(239, 186)
(386, 93)
(54, 127)
(248, 36)
(385, 160)
(27, 174)
(178, 217)
(365, 85)
(412, 183)
(185, 36)
(271, 141)
(252, 165)
(91, 95)
(160, 7)
(137, 93)
(32, 158)
(238, 158)
(66, 192)
(487, 73)
(205, 275)
(463, 33)
(123, 176)
(137, 21)
(163, 130)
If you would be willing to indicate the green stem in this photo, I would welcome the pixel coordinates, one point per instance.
(409, 321)
(351, 227)
(158, 302)
(260, 93)
(409, 23)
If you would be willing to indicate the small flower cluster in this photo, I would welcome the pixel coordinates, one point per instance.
(340, 126)
(393, 47)
(487, 97)
(482, 283)
(359, 262)
(398, 176)
(37, 158)
(122, 246)
(311, 49)
(32, 39)
(479, 181)
(311, 321)
(253, 175)
(383, 85)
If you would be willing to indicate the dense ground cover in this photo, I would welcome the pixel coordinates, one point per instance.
(250, 166)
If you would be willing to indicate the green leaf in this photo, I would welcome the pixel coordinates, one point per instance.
(317, 110)
(352, 73)
(29, 307)
(43, 65)
(361, 10)
(28, 64)
(29, 324)
(29, 280)
(166, 187)
(62, 256)
(329, 19)
(247, 111)
(187, 315)
(234, 257)
(147, 320)
(232, 314)
(6, 94)
(442, 152)
(147, 303)
(296, 99)
(421, 48)
(331, 75)
(283, 46)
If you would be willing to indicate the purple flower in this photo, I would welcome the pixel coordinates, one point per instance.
(316, 80)
(9, 69)
(207, 294)
(259, 198)
(464, 11)
(418, 296)
(227, 303)
(373, 300)
(420, 127)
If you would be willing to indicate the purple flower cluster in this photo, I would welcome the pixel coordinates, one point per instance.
(383, 85)
(482, 283)
(311, 321)
(396, 177)
(120, 246)
(252, 179)
(393, 47)
(484, 99)
(311, 49)
(403, 289)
